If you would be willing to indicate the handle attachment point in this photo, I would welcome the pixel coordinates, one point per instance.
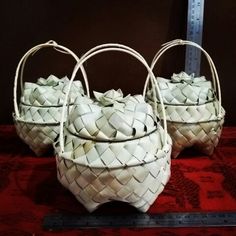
(52, 42)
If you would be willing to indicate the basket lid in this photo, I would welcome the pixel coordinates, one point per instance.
(111, 117)
(185, 89)
(50, 91)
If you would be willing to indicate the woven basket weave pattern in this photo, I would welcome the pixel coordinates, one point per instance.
(138, 185)
(112, 148)
(193, 126)
(191, 114)
(40, 114)
(131, 119)
(110, 167)
(50, 91)
(113, 154)
(203, 135)
(39, 137)
(37, 116)
(194, 113)
(186, 89)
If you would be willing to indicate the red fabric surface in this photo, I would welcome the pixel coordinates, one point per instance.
(29, 190)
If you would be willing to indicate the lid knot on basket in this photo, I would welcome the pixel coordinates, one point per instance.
(110, 97)
(52, 81)
(183, 77)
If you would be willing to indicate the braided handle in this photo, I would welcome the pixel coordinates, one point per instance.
(118, 48)
(31, 52)
(177, 42)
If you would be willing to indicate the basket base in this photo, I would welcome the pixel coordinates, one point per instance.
(137, 185)
(38, 137)
(203, 136)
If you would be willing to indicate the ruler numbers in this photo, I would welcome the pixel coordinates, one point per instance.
(194, 33)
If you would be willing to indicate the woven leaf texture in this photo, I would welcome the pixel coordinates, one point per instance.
(40, 111)
(114, 150)
(192, 112)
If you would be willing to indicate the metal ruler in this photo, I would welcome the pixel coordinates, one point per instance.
(194, 33)
(140, 220)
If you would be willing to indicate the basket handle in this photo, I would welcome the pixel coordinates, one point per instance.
(118, 48)
(177, 42)
(31, 52)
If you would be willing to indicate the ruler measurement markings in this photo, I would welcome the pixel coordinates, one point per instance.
(194, 33)
(140, 220)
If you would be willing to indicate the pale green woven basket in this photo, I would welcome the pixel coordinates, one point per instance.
(112, 148)
(194, 113)
(38, 114)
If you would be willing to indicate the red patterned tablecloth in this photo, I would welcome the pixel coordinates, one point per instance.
(29, 190)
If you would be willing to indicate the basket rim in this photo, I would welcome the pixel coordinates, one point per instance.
(218, 118)
(195, 123)
(111, 140)
(43, 106)
(164, 152)
(20, 120)
(188, 104)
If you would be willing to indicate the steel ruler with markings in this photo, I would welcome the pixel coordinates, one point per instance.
(194, 33)
(140, 220)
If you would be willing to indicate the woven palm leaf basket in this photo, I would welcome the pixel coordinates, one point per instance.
(112, 148)
(193, 107)
(38, 115)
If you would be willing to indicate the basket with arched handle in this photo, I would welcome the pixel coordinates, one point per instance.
(194, 112)
(112, 148)
(37, 116)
